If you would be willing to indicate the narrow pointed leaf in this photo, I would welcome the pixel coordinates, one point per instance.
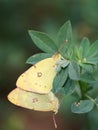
(65, 39)
(59, 80)
(87, 67)
(74, 71)
(87, 77)
(65, 33)
(85, 43)
(93, 49)
(69, 87)
(43, 41)
(92, 60)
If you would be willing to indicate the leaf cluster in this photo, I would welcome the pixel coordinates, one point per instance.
(75, 70)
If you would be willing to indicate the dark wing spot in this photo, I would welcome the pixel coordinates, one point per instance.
(35, 100)
(54, 66)
(39, 74)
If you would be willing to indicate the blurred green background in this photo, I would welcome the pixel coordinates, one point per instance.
(16, 18)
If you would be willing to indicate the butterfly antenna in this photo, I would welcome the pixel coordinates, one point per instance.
(54, 121)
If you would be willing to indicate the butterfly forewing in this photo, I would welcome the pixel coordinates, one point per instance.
(39, 78)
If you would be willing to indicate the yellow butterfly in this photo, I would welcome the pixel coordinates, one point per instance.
(39, 78)
(34, 101)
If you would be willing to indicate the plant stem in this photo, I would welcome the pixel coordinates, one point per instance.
(87, 124)
(81, 89)
(87, 121)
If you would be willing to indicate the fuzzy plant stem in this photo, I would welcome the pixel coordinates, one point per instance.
(87, 122)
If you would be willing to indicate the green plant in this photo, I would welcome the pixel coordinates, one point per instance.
(76, 69)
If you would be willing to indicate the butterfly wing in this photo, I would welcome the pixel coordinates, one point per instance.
(39, 78)
(29, 100)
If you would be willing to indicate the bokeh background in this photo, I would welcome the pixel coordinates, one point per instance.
(16, 18)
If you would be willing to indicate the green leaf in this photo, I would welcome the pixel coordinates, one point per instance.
(78, 90)
(64, 63)
(83, 106)
(80, 52)
(87, 77)
(66, 51)
(93, 49)
(85, 44)
(43, 41)
(92, 60)
(87, 67)
(69, 87)
(59, 80)
(95, 84)
(75, 55)
(90, 52)
(37, 57)
(58, 68)
(64, 34)
(65, 39)
(74, 71)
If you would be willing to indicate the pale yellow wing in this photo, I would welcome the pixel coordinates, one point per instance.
(39, 78)
(34, 101)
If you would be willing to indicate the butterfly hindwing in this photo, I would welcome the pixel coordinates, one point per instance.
(34, 101)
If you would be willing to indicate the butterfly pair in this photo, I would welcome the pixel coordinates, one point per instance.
(34, 87)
